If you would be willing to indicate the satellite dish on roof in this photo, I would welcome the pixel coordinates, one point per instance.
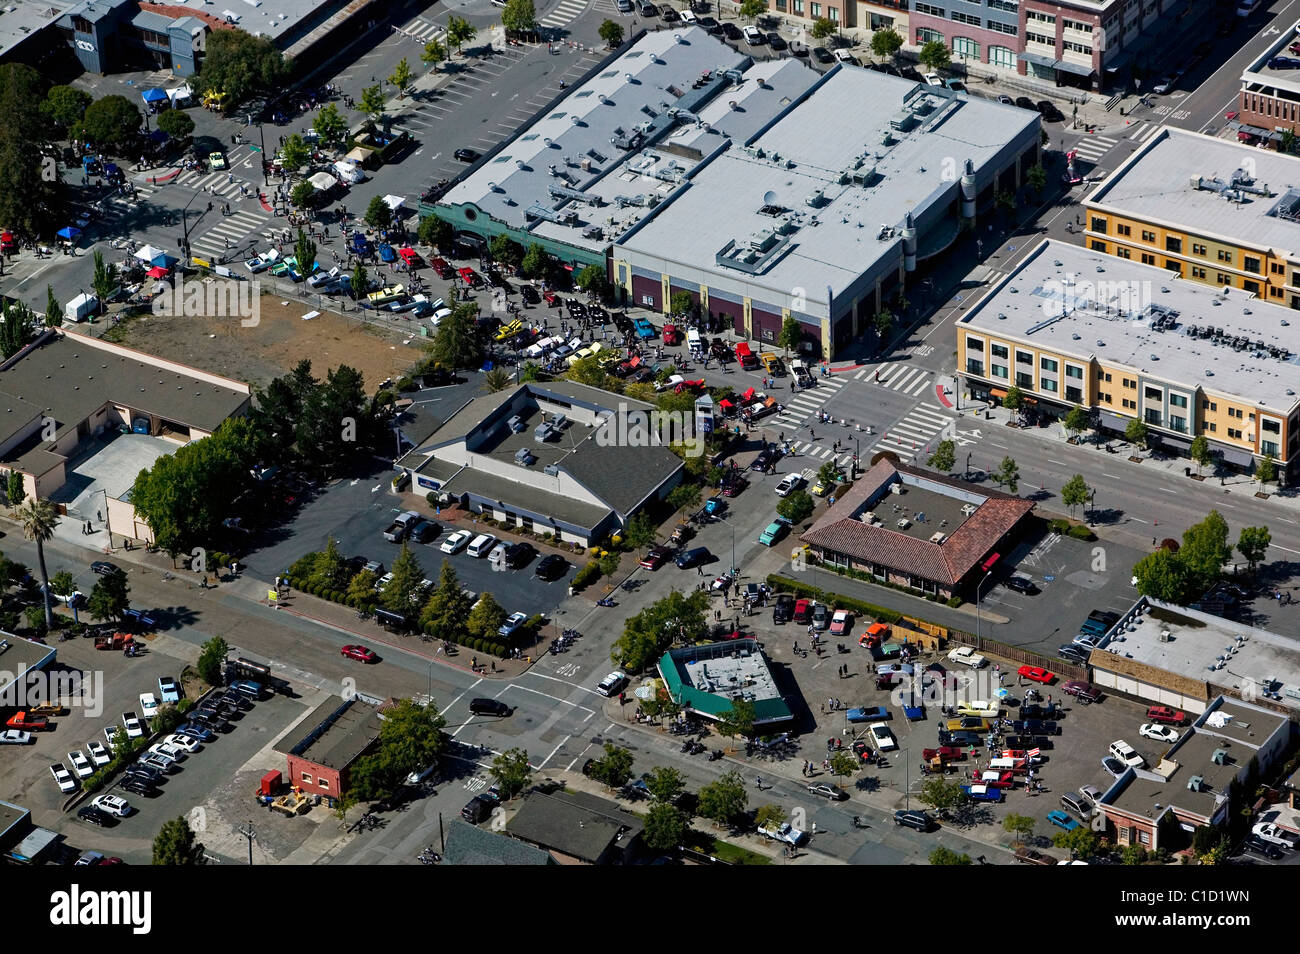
(769, 197)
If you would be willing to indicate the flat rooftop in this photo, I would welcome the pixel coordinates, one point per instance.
(1071, 300)
(821, 194)
(1259, 76)
(708, 677)
(334, 734)
(1207, 648)
(1242, 195)
(18, 657)
(740, 676)
(21, 19)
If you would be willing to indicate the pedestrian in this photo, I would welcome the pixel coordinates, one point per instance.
(1153, 541)
(699, 571)
(812, 433)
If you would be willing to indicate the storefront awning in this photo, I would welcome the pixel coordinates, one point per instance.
(1038, 59)
(1078, 69)
(1180, 443)
(1236, 456)
(998, 393)
(1116, 422)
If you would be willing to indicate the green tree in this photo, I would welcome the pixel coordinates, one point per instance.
(1218, 853)
(946, 856)
(1205, 550)
(175, 844)
(486, 617)
(1007, 475)
(944, 457)
(1162, 575)
(590, 371)
(378, 213)
(934, 55)
(295, 153)
(1133, 854)
(1200, 452)
(1266, 471)
(796, 506)
(109, 597)
(459, 32)
(240, 64)
(212, 658)
(402, 593)
(592, 280)
(330, 569)
(1082, 843)
(1076, 421)
(751, 9)
(1287, 143)
(411, 738)
(457, 343)
(329, 124)
(1020, 826)
(372, 103)
(498, 379)
(176, 124)
(38, 519)
(435, 232)
(651, 631)
(942, 795)
(53, 310)
(737, 720)
(15, 491)
(65, 105)
(822, 27)
(519, 16)
(17, 326)
(304, 250)
(1253, 545)
(112, 122)
(680, 303)
(615, 768)
(1014, 399)
(511, 771)
(360, 282)
(611, 33)
(63, 583)
(666, 784)
(725, 800)
(664, 826)
(302, 195)
(434, 53)
(505, 250)
(1075, 493)
(641, 530)
(886, 43)
(684, 497)
(361, 589)
(29, 203)
(447, 608)
(843, 764)
(402, 74)
(530, 372)
(536, 262)
(828, 473)
(884, 324)
(1036, 177)
(769, 816)
(791, 335)
(105, 279)
(1135, 432)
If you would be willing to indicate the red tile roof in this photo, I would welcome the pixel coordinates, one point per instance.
(840, 531)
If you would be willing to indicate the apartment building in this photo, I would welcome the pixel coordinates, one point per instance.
(847, 14)
(1075, 327)
(1269, 101)
(1212, 211)
(1083, 43)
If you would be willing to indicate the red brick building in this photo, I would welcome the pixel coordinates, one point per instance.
(324, 746)
(918, 529)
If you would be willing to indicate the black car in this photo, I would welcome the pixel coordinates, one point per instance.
(1072, 653)
(1035, 727)
(697, 556)
(765, 459)
(962, 737)
(913, 819)
(1028, 742)
(710, 25)
(670, 15)
(1047, 109)
(519, 554)
(784, 608)
(911, 73)
(105, 568)
(478, 808)
(822, 54)
(145, 772)
(777, 42)
(236, 702)
(649, 10)
(531, 295)
(95, 816)
(1031, 710)
(731, 31)
(483, 706)
(1258, 846)
(1024, 102)
(466, 155)
(551, 567)
(1021, 584)
(137, 785)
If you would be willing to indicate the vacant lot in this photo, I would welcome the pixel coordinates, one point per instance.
(279, 341)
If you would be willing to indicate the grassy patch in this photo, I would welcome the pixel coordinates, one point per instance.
(706, 844)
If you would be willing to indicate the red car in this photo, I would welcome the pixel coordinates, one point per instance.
(802, 608)
(359, 653)
(655, 558)
(410, 256)
(551, 299)
(998, 779)
(469, 276)
(1166, 715)
(949, 753)
(1036, 674)
(444, 270)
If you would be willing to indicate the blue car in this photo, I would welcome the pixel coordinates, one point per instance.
(195, 731)
(1063, 821)
(359, 245)
(386, 253)
(983, 793)
(644, 329)
(867, 714)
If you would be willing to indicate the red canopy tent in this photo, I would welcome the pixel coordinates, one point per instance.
(157, 272)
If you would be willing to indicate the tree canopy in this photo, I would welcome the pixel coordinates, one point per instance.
(240, 64)
(676, 617)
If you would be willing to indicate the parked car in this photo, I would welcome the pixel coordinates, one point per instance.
(917, 820)
(148, 705)
(132, 725)
(105, 568)
(357, 652)
(1165, 715)
(1085, 692)
(113, 805)
(551, 567)
(1260, 847)
(63, 778)
(466, 155)
(883, 737)
(512, 624)
(457, 541)
(1062, 820)
(783, 608)
(169, 691)
(841, 622)
(827, 790)
(821, 618)
(822, 54)
(1036, 674)
(612, 683)
(697, 556)
(1021, 584)
(789, 483)
(1049, 111)
(1126, 754)
(983, 793)
(15, 737)
(1274, 835)
(1073, 654)
(98, 754)
(1114, 766)
(95, 816)
(1161, 733)
(655, 558)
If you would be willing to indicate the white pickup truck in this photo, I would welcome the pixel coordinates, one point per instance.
(400, 527)
(966, 657)
(785, 832)
(1267, 831)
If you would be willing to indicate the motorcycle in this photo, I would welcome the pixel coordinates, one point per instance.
(859, 823)
(715, 755)
(607, 601)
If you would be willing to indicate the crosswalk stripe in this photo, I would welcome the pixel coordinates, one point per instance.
(942, 419)
(900, 380)
(920, 386)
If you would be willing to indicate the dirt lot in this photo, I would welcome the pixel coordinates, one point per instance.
(280, 340)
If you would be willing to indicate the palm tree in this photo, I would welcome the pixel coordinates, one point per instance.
(39, 518)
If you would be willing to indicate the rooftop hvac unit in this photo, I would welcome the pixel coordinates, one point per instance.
(1164, 636)
(1220, 757)
(896, 488)
(1195, 783)
(938, 537)
(968, 509)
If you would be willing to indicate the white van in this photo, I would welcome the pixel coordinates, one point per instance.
(481, 545)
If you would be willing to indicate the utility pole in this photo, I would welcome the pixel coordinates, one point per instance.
(249, 832)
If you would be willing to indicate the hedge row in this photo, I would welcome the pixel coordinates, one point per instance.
(475, 643)
(1066, 528)
(589, 574)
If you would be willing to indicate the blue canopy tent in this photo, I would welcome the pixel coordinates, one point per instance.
(158, 136)
(69, 233)
(164, 261)
(154, 95)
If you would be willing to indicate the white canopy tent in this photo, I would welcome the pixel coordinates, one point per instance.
(394, 202)
(180, 96)
(323, 182)
(148, 253)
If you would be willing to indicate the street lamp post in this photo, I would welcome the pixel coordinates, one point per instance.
(980, 586)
